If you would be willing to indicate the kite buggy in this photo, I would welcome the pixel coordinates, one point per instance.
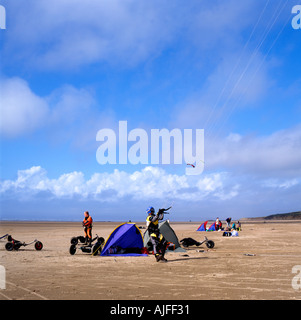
(6, 237)
(80, 242)
(85, 243)
(14, 244)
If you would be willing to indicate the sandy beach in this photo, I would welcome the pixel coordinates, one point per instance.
(256, 265)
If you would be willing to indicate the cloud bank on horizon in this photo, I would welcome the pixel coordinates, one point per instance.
(230, 68)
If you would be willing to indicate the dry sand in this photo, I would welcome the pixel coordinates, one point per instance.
(224, 272)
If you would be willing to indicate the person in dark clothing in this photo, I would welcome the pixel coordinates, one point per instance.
(158, 241)
(228, 220)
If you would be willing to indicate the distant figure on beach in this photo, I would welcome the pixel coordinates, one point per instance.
(238, 228)
(228, 220)
(218, 224)
(234, 233)
(87, 224)
(233, 226)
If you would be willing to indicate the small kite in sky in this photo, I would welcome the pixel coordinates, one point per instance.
(193, 166)
(189, 164)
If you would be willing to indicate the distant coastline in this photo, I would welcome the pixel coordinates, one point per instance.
(279, 216)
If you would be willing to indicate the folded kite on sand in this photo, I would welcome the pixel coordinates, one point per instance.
(187, 242)
(169, 235)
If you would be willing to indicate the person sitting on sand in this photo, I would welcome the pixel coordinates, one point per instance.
(87, 224)
(234, 233)
(158, 241)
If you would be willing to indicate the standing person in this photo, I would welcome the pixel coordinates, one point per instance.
(87, 224)
(158, 241)
(228, 220)
(218, 224)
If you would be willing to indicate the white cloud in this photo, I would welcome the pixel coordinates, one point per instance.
(67, 113)
(68, 104)
(282, 184)
(63, 34)
(22, 111)
(215, 21)
(235, 82)
(207, 196)
(149, 183)
(75, 116)
(277, 154)
(32, 178)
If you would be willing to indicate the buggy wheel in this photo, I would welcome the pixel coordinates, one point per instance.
(210, 244)
(74, 241)
(9, 246)
(72, 249)
(97, 248)
(38, 245)
(82, 239)
(17, 245)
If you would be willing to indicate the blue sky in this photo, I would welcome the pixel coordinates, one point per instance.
(71, 68)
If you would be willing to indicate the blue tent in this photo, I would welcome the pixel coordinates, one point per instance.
(202, 227)
(125, 240)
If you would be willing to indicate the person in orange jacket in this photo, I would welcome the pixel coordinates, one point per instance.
(87, 224)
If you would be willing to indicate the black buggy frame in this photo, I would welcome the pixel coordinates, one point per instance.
(79, 242)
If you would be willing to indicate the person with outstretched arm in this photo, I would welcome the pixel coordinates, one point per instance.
(158, 241)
